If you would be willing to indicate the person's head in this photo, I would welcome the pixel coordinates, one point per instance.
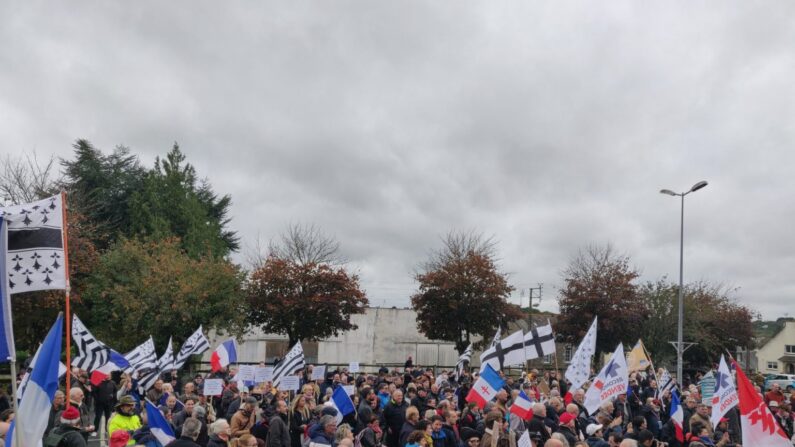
(249, 405)
(614, 439)
(220, 428)
(690, 403)
(645, 438)
(281, 406)
(594, 430)
(555, 441)
(492, 417)
(702, 410)
(639, 423)
(191, 428)
(628, 443)
(329, 424)
(775, 388)
(198, 412)
(573, 409)
(436, 423)
(188, 388)
(450, 417)
(397, 396)
(171, 401)
(417, 437)
(539, 409)
(126, 405)
(412, 415)
(58, 399)
(189, 405)
(247, 440)
(71, 417)
(159, 385)
(568, 420)
(76, 395)
(502, 396)
(343, 432)
(607, 407)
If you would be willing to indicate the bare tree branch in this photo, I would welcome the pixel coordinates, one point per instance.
(306, 244)
(457, 244)
(24, 180)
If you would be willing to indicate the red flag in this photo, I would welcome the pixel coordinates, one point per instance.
(760, 427)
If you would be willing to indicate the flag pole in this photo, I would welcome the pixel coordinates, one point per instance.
(557, 369)
(68, 317)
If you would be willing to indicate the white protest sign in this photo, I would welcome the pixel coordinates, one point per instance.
(289, 383)
(524, 440)
(263, 374)
(353, 367)
(246, 373)
(213, 387)
(319, 372)
(348, 389)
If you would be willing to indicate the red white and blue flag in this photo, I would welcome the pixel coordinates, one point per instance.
(758, 424)
(223, 355)
(486, 387)
(522, 406)
(677, 416)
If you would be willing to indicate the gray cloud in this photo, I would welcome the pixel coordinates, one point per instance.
(548, 125)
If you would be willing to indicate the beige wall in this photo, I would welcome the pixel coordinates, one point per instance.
(774, 349)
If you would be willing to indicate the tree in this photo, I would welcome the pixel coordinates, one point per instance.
(297, 291)
(26, 180)
(599, 282)
(714, 321)
(142, 288)
(461, 292)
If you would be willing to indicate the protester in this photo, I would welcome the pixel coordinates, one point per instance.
(67, 434)
(189, 434)
(220, 433)
(278, 431)
(125, 418)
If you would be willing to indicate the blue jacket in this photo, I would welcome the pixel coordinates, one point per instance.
(318, 435)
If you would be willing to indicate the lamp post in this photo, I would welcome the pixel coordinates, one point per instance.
(680, 324)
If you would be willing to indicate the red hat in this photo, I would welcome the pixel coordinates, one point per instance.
(70, 414)
(565, 418)
(723, 420)
(119, 438)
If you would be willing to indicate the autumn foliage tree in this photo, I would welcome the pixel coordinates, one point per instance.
(298, 291)
(461, 293)
(599, 282)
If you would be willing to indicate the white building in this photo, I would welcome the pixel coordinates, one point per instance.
(775, 355)
(384, 336)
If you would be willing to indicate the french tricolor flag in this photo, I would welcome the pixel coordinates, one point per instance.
(223, 355)
(486, 387)
(158, 425)
(115, 362)
(677, 416)
(522, 406)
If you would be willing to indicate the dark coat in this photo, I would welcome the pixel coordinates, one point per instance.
(70, 437)
(394, 417)
(278, 432)
(537, 425)
(215, 441)
(182, 441)
(568, 433)
(405, 431)
(318, 435)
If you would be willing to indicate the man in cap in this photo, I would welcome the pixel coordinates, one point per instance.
(68, 433)
(125, 418)
(567, 427)
(595, 436)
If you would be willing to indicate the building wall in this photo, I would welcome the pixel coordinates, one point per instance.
(768, 356)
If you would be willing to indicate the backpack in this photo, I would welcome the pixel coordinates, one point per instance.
(53, 439)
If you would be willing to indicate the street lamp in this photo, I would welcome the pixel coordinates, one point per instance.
(680, 324)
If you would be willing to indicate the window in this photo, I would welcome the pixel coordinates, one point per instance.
(790, 349)
(548, 359)
(772, 366)
(567, 353)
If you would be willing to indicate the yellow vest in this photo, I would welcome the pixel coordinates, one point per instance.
(126, 423)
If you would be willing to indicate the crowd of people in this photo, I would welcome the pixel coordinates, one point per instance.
(410, 407)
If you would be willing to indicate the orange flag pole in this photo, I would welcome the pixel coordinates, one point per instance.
(67, 290)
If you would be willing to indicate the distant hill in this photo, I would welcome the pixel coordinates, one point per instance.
(765, 330)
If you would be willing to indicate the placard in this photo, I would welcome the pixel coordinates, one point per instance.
(263, 374)
(319, 372)
(707, 388)
(524, 440)
(350, 389)
(245, 373)
(353, 367)
(290, 383)
(213, 387)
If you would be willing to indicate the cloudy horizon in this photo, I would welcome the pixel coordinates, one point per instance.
(550, 126)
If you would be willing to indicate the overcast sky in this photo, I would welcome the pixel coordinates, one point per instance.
(549, 125)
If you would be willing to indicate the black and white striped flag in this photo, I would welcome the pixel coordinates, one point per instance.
(143, 357)
(463, 360)
(166, 361)
(292, 362)
(34, 255)
(92, 353)
(195, 344)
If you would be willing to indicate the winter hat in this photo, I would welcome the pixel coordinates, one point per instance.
(565, 418)
(119, 438)
(70, 415)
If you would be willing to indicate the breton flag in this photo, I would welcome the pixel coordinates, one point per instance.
(92, 353)
(158, 425)
(463, 360)
(39, 393)
(539, 342)
(496, 338)
(342, 402)
(195, 344)
(166, 361)
(147, 379)
(637, 360)
(292, 362)
(725, 397)
(758, 424)
(522, 406)
(34, 255)
(508, 351)
(666, 383)
(611, 381)
(580, 367)
(7, 348)
(142, 357)
(677, 416)
(116, 362)
(486, 387)
(223, 355)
